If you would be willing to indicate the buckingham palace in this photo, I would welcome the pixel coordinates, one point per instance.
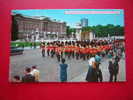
(34, 28)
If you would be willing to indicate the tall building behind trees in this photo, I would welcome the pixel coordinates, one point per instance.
(84, 22)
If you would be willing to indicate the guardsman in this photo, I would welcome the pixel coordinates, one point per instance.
(84, 52)
(87, 52)
(69, 51)
(43, 49)
(98, 49)
(91, 51)
(58, 53)
(65, 50)
(52, 50)
(48, 48)
(72, 50)
(102, 50)
(80, 51)
(77, 51)
(61, 50)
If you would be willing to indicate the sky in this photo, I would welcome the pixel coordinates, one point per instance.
(99, 18)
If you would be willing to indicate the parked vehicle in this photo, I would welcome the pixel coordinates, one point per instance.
(16, 50)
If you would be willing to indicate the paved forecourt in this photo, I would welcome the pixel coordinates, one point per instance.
(50, 70)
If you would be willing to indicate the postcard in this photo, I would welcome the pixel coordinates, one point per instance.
(67, 45)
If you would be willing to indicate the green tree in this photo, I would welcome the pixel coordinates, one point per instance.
(105, 30)
(119, 30)
(86, 29)
(69, 31)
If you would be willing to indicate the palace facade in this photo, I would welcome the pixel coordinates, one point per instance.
(39, 28)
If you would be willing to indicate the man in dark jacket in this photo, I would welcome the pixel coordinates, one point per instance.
(111, 70)
(116, 70)
(27, 78)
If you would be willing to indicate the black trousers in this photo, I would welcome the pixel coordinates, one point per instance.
(88, 56)
(66, 54)
(48, 52)
(73, 54)
(84, 56)
(77, 55)
(52, 53)
(58, 57)
(43, 53)
(113, 76)
(69, 55)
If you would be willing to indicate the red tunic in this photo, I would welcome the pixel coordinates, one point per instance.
(87, 50)
(48, 47)
(77, 49)
(68, 49)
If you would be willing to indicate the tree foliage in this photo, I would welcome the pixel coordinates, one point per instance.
(69, 30)
(105, 30)
(86, 29)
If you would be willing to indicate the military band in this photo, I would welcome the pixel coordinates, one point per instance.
(78, 49)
